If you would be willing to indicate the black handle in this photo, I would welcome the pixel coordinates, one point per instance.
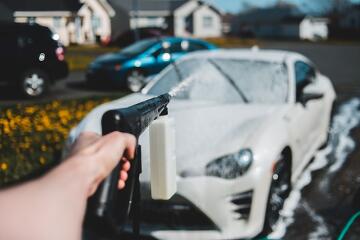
(109, 208)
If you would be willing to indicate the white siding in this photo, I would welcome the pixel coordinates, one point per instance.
(92, 12)
(313, 29)
(207, 22)
(86, 13)
(179, 18)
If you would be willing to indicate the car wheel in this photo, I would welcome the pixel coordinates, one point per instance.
(135, 80)
(279, 191)
(34, 83)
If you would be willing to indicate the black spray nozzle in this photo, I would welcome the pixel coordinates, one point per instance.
(109, 208)
(137, 118)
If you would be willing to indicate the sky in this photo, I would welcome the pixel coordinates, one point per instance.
(235, 6)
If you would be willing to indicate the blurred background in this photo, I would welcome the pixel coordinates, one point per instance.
(61, 58)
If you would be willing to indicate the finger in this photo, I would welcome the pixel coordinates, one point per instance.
(123, 175)
(117, 144)
(121, 184)
(130, 147)
(111, 148)
(84, 139)
(126, 166)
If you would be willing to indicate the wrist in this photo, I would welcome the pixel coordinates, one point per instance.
(89, 171)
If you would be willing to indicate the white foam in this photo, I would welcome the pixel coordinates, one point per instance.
(182, 86)
(321, 231)
(339, 146)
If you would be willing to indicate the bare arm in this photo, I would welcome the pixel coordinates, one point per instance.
(53, 206)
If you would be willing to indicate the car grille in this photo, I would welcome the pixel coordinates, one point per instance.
(178, 213)
(243, 202)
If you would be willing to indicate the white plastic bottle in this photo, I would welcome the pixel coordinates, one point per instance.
(162, 158)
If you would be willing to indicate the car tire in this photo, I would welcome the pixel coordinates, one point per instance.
(34, 83)
(135, 80)
(279, 190)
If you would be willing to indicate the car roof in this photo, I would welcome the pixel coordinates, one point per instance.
(252, 53)
(169, 38)
(14, 26)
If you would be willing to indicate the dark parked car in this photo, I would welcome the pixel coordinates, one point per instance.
(129, 67)
(31, 59)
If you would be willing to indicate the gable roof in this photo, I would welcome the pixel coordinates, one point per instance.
(42, 5)
(212, 7)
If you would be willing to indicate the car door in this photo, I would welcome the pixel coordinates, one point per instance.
(305, 116)
(9, 60)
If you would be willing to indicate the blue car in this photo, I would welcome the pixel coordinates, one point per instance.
(130, 67)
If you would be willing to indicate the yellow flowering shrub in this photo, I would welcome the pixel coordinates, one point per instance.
(32, 136)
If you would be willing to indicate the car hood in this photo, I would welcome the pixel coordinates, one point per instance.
(204, 130)
(111, 58)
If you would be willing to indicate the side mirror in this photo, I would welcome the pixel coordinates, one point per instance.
(306, 97)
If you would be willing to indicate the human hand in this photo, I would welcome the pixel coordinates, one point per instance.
(103, 153)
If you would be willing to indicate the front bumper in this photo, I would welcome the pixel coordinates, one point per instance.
(228, 209)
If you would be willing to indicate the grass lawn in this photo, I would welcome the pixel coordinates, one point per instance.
(79, 57)
(32, 135)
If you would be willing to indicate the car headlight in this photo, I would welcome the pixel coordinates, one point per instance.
(230, 166)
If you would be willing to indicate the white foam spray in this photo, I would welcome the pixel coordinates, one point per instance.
(182, 86)
(321, 231)
(339, 146)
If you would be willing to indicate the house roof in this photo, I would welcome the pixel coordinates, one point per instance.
(42, 5)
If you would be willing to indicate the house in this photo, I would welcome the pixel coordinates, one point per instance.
(227, 20)
(346, 23)
(181, 18)
(350, 19)
(60, 16)
(89, 21)
(283, 21)
(314, 28)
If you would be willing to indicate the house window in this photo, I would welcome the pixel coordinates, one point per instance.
(56, 22)
(207, 21)
(96, 22)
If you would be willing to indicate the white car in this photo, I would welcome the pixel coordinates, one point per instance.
(247, 123)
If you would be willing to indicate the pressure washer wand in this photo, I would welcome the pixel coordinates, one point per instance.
(108, 209)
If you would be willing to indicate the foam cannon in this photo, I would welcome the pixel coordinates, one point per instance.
(108, 209)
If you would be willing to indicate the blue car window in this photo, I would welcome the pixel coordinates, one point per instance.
(196, 47)
(139, 47)
(303, 72)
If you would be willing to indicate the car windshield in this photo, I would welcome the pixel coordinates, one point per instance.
(225, 80)
(138, 47)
